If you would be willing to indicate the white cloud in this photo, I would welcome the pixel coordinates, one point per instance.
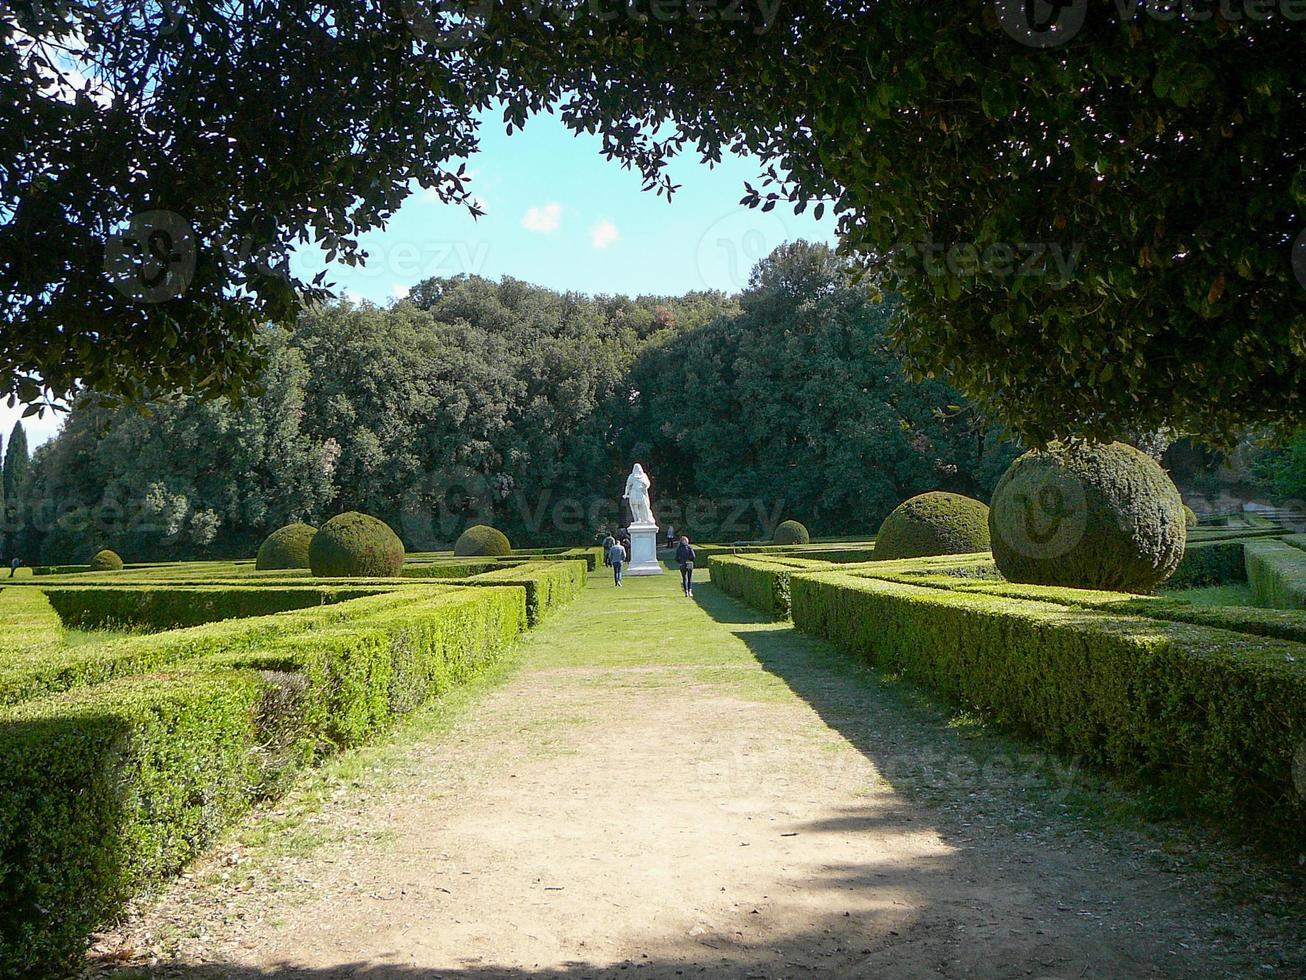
(604, 233)
(545, 218)
(399, 290)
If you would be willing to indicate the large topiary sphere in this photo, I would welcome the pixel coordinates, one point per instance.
(356, 545)
(791, 532)
(285, 547)
(1088, 516)
(480, 541)
(106, 561)
(934, 523)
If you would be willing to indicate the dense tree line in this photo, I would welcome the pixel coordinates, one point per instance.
(505, 403)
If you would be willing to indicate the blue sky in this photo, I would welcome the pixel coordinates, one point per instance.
(561, 216)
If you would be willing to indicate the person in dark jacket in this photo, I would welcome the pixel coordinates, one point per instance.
(685, 559)
(608, 542)
(623, 539)
(616, 557)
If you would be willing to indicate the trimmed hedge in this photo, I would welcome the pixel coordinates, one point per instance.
(354, 545)
(791, 532)
(1276, 572)
(1214, 716)
(1209, 563)
(25, 675)
(547, 585)
(105, 561)
(1087, 516)
(155, 608)
(286, 547)
(108, 790)
(480, 540)
(757, 582)
(934, 523)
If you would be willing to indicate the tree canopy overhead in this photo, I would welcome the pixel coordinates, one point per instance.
(1094, 237)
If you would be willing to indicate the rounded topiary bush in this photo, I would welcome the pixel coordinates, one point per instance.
(481, 540)
(286, 547)
(356, 545)
(791, 532)
(1088, 516)
(934, 523)
(1190, 516)
(106, 561)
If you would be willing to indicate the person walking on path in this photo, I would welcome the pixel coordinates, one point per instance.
(623, 539)
(685, 559)
(608, 542)
(616, 556)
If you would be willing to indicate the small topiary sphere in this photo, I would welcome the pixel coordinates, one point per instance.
(356, 545)
(1088, 516)
(286, 547)
(106, 561)
(934, 523)
(791, 532)
(481, 540)
(1190, 516)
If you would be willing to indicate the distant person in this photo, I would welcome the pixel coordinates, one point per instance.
(13, 567)
(623, 539)
(608, 542)
(671, 535)
(616, 558)
(685, 559)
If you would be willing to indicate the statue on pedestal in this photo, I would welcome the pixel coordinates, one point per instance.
(637, 486)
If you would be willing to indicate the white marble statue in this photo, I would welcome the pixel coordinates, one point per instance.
(641, 508)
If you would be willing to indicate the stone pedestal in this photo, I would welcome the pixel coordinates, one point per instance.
(644, 550)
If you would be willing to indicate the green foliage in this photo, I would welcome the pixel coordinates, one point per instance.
(109, 789)
(1190, 517)
(16, 462)
(114, 784)
(1212, 714)
(1276, 572)
(789, 399)
(1087, 516)
(547, 584)
(479, 540)
(791, 532)
(286, 547)
(1209, 563)
(760, 583)
(356, 545)
(105, 561)
(934, 523)
(152, 607)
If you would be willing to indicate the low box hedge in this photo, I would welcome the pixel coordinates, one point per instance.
(157, 608)
(547, 584)
(1276, 571)
(1209, 563)
(108, 790)
(360, 674)
(1217, 717)
(25, 675)
(757, 582)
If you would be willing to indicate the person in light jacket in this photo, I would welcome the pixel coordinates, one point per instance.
(685, 559)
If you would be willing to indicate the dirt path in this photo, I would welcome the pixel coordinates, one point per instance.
(671, 788)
